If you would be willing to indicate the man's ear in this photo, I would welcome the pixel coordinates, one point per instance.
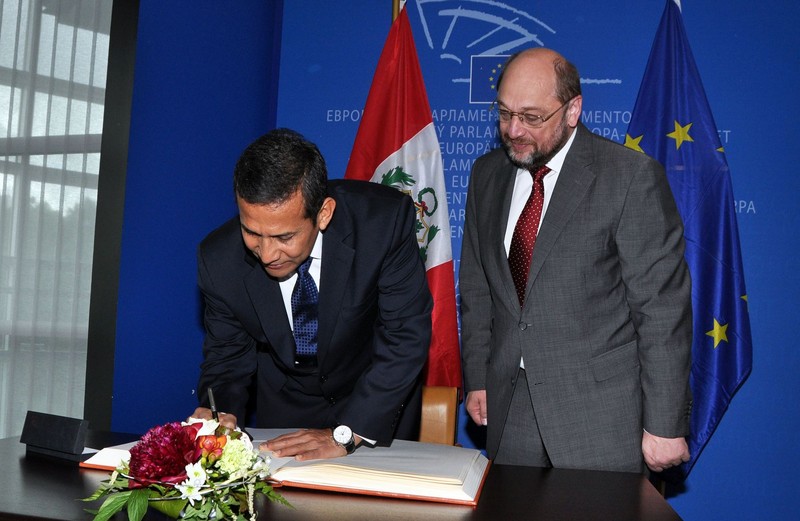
(326, 213)
(574, 111)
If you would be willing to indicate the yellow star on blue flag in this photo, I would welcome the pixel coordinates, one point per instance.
(633, 142)
(484, 72)
(719, 333)
(671, 103)
(680, 134)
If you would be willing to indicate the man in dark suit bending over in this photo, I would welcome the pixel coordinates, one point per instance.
(575, 298)
(315, 298)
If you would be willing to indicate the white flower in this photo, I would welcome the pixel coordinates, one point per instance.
(195, 475)
(262, 467)
(246, 440)
(209, 426)
(189, 492)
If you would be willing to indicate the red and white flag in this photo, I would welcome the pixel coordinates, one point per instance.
(396, 145)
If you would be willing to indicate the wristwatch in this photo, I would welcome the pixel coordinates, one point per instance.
(343, 436)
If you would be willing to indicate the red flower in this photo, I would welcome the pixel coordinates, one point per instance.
(211, 447)
(193, 428)
(162, 455)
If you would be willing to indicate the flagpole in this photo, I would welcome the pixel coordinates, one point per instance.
(395, 9)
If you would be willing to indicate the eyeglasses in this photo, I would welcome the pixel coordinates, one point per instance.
(526, 118)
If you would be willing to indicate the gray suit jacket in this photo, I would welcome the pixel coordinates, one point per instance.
(605, 332)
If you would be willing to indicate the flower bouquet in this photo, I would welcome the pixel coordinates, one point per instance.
(196, 470)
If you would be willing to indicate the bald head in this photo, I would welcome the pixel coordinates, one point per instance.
(543, 70)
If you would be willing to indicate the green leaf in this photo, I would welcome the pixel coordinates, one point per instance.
(225, 509)
(107, 487)
(432, 231)
(271, 494)
(113, 504)
(137, 504)
(277, 498)
(395, 177)
(171, 508)
(100, 492)
(198, 510)
(162, 490)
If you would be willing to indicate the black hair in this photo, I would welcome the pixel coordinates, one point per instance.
(276, 165)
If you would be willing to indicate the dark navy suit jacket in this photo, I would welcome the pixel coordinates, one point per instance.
(374, 323)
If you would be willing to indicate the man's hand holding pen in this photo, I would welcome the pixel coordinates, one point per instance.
(302, 445)
(213, 404)
(204, 413)
(224, 419)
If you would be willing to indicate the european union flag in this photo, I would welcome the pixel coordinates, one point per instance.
(672, 122)
(483, 74)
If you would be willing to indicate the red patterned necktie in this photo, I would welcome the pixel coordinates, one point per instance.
(524, 238)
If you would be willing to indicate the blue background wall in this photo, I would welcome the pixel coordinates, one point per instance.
(203, 91)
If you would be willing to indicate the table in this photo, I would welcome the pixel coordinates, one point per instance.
(34, 487)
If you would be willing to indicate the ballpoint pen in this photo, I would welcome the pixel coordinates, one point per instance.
(213, 405)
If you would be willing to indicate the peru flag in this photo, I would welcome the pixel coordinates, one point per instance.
(396, 145)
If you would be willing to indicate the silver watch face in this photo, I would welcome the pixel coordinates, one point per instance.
(343, 434)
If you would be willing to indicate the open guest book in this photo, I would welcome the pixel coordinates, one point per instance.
(406, 469)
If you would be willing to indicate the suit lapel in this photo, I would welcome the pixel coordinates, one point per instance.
(337, 259)
(574, 181)
(498, 221)
(265, 295)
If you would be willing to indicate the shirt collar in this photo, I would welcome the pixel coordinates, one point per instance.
(557, 163)
(316, 250)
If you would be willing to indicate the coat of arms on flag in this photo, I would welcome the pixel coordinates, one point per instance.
(396, 145)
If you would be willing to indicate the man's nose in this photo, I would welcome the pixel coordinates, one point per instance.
(266, 252)
(515, 128)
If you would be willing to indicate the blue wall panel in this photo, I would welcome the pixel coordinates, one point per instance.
(748, 469)
(200, 95)
(202, 92)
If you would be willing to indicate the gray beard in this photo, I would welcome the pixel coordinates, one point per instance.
(538, 158)
(530, 162)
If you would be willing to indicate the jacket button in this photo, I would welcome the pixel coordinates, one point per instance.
(323, 378)
(332, 400)
(522, 326)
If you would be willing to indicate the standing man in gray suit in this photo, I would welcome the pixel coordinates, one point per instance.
(577, 356)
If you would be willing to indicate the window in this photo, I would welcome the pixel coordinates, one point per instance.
(53, 63)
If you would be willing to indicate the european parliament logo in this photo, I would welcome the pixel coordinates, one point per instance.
(483, 75)
(470, 35)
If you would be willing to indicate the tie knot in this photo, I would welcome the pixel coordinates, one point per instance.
(539, 173)
(302, 270)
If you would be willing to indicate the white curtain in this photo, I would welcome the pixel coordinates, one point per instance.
(53, 57)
